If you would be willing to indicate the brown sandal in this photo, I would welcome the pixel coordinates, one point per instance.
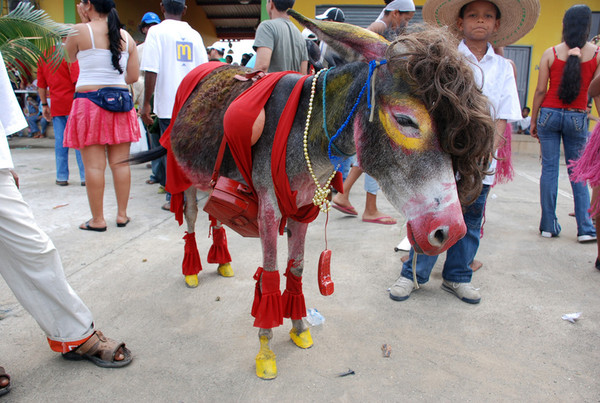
(101, 351)
(5, 389)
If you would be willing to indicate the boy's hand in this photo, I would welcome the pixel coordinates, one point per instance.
(15, 177)
(533, 130)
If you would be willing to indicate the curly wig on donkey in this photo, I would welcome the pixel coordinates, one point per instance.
(447, 86)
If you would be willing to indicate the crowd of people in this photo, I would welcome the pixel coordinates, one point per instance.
(106, 62)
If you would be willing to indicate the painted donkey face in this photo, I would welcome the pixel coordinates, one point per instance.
(398, 142)
(400, 149)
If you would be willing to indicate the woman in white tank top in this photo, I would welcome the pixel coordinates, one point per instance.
(107, 57)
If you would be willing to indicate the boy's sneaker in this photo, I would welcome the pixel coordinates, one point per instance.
(547, 234)
(586, 238)
(464, 291)
(401, 289)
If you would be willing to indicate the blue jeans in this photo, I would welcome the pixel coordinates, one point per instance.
(32, 122)
(371, 185)
(571, 127)
(62, 153)
(460, 255)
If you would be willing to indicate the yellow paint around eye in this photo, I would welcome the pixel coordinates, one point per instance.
(409, 143)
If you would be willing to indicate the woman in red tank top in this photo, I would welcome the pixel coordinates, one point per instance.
(559, 113)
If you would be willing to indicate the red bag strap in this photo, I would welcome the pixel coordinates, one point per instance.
(218, 162)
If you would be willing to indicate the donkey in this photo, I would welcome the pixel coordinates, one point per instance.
(411, 112)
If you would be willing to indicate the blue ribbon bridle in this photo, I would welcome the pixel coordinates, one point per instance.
(336, 160)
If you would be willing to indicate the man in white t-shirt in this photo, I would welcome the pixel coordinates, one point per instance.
(31, 265)
(172, 49)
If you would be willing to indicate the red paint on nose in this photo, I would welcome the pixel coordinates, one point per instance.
(433, 233)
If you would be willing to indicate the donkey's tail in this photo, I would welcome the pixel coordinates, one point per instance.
(146, 156)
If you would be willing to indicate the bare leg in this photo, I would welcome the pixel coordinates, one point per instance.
(121, 173)
(94, 160)
(300, 333)
(372, 213)
(190, 212)
(268, 221)
(343, 199)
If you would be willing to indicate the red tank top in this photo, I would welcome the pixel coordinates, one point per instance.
(551, 100)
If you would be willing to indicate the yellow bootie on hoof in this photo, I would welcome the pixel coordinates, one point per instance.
(302, 340)
(191, 281)
(266, 368)
(225, 270)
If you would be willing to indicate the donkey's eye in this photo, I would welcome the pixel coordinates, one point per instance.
(405, 120)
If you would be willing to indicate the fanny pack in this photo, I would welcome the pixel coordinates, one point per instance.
(114, 99)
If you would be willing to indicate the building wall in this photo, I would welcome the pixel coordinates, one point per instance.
(131, 14)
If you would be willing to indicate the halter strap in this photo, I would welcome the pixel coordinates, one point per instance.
(368, 85)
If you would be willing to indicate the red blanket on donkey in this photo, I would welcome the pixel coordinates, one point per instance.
(239, 118)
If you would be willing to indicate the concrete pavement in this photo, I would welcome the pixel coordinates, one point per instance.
(199, 344)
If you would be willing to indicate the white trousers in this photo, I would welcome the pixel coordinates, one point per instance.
(31, 266)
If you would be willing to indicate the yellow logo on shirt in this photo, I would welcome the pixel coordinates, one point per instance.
(184, 51)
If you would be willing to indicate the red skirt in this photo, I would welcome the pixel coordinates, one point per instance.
(89, 124)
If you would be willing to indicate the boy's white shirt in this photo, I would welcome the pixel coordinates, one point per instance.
(495, 76)
(11, 116)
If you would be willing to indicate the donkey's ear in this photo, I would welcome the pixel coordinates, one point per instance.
(350, 41)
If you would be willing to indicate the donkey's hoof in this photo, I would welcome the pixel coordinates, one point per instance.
(266, 368)
(225, 270)
(302, 340)
(191, 281)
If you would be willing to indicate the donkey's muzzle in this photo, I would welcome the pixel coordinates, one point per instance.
(433, 233)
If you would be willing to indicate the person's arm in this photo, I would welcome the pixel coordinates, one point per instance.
(149, 84)
(377, 26)
(499, 135)
(263, 59)
(304, 67)
(540, 90)
(72, 43)
(43, 92)
(594, 89)
(132, 72)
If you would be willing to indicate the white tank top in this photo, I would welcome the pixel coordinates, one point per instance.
(96, 68)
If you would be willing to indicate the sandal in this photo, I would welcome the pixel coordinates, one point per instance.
(101, 351)
(5, 389)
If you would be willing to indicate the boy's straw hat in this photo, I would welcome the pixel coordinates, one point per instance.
(518, 17)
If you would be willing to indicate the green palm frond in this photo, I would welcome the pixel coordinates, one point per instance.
(25, 36)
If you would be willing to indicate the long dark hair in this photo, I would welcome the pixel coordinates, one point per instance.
(576, 29)
(114, 29)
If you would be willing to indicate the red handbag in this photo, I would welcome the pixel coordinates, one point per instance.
(231, 202)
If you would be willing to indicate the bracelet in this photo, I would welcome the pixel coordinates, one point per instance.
(43, 104)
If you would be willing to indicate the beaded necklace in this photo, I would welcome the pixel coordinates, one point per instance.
(320, 197)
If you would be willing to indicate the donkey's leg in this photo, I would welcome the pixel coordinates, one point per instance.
(218, 252)
(293, 297)
(191, 265)
(267, 297)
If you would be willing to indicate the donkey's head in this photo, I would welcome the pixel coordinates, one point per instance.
(428, 125)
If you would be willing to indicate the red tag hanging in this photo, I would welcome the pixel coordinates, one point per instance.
(324, 273)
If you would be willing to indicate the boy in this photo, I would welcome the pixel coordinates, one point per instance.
(479, 24)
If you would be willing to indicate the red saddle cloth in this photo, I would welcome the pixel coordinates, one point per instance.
(238, 121)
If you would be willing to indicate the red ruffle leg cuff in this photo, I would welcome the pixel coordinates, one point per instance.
(266, 308)
(177, 201)
(218, 252)
(191, 258)
(294, 306)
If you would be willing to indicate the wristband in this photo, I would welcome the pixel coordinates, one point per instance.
(43, 104)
